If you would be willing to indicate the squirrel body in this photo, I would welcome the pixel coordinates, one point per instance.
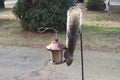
(74, 20)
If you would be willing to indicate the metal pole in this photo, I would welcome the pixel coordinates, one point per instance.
(82, 65)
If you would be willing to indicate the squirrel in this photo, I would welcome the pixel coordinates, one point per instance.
(74, 20)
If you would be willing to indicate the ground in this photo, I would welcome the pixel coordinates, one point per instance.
(25, 63)
(23, 55)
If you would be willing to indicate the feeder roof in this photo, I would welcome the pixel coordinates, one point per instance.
(55, 45)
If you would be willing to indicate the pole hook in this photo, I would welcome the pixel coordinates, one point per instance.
(42, 30)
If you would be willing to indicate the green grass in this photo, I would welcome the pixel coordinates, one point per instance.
(6, 9)
(99, 28)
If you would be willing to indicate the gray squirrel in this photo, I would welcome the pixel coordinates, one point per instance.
(74, 20)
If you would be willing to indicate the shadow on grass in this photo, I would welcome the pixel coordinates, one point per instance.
(108, 17)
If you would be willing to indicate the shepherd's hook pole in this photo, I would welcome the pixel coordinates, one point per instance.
(82, 64)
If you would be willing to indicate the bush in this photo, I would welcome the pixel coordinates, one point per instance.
(34, 14)
(95, 5)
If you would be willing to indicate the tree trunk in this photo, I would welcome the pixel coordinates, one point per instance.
(2, 5)
(81, 1)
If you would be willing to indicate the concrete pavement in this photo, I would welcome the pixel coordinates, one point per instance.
(21, 63)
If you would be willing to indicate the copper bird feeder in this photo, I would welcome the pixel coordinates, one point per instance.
(56, 47)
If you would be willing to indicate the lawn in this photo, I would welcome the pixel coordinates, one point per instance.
(101, 32)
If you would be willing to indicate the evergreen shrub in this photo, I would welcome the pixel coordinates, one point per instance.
(34, 14)
(95, 5)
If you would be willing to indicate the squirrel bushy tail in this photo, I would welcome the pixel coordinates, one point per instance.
(74, 16)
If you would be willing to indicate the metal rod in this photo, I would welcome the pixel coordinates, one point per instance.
(82, 64)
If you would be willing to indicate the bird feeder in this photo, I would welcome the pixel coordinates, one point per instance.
(56, 47)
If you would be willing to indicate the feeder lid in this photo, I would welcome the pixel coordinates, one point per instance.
(55, 45)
